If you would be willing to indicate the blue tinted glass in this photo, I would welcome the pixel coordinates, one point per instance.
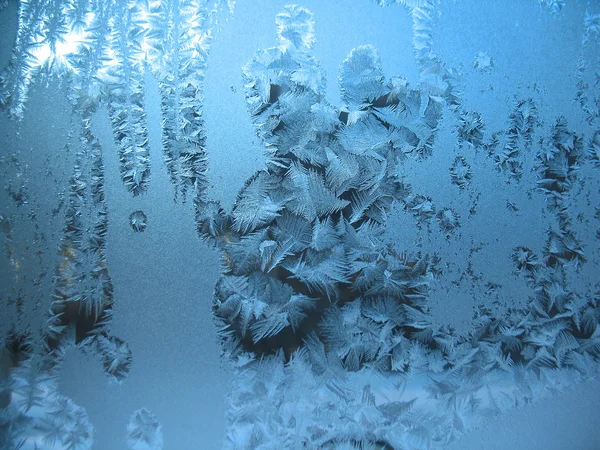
(357, 225)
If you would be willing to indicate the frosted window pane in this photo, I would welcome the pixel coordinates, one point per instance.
(240, 224)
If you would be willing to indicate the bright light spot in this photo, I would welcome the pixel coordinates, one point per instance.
(143, 15)
(112, 60)
(41, 53)
(146, 49)
(70, 44)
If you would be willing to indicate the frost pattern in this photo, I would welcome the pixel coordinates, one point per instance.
(587, 81)
(436, 80)
(347, 309)
(102, 53)
(76, 291)
(523, 121)
(125, 74)
(304, 233)
(460, 171)
(311, 299)
(555, 6)
(138, 221)
(37, 415)
(144, 431)
(104, 49)
(178, 44)
(83, 297)
(471, 129)
(82, 275)
(483, 62)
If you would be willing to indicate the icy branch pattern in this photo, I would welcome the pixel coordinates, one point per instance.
(523, 121)
(179, 42)
(104, 49)
(555, 6)
(82, 275)
(304, 234)
(37, 415)
(126, 101)
(78, 295)
(587, 81)
(310, 300)
(360, 308)
(144, 431)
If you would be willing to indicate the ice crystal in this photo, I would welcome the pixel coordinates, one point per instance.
(38, 416)
(560, 162)
(525, 259)
(375, 317)
(83, 245)
(587, 79)
(483, 62)
(295, 29)
(144, 431)
(594, 148)
(592, 23)
(460, 171)
(421, 207)
(138, 221)
(301, 233)
(104, 48)
(448, 219)
(554, 6)
(324, 323)
(115, 355)
(471, 129)
(523, 121)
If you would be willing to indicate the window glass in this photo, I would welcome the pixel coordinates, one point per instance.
(240, 224)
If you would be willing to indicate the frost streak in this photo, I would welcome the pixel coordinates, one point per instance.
(103, 49)
(179, 45)
(126, 104)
